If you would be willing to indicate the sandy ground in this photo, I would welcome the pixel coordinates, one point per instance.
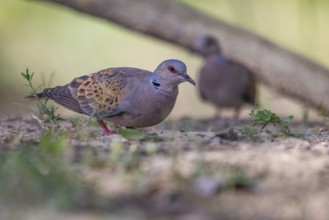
(286, 177)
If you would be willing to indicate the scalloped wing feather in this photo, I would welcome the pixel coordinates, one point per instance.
(99, 94)
(62, 95)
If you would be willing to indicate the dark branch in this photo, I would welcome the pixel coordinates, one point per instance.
(177, 23)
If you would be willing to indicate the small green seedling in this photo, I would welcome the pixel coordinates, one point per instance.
(249, 131)
(266, 117)
(130, 133)
(43, 105)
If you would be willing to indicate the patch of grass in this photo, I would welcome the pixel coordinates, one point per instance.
(238, 179)
(229, 177)
(249, 131)
(212, 176)
(122, 159)
(41, 174)
(44, 107)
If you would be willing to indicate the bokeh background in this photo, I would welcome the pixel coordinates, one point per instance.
(59, 44)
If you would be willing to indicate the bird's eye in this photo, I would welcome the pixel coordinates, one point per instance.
(172, 69)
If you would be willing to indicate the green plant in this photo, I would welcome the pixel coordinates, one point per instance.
(264, 118)
(43, 105)
(130, 133)
(249, 131)
(231, 177)
(38, 174)
(53, 141)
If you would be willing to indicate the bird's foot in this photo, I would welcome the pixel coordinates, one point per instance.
(106, 130)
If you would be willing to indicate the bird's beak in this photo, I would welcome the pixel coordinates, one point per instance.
(189, 79)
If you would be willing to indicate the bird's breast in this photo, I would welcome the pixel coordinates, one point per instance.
(146, 109)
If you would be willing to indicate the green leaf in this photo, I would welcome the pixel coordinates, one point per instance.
(132, 133)
(264, 116)
(24, 75)
(48, 110)
(136, 134)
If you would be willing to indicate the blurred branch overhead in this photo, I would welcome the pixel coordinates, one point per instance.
(175, 22)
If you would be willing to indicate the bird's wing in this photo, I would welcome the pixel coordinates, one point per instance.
(250, 94)
(244, 82)
(100, 94)
(63, 96)
(249, 88)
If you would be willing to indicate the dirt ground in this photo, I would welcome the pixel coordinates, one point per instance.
(192, 169)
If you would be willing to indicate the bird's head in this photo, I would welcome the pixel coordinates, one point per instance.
(206, 45)
(173, 72)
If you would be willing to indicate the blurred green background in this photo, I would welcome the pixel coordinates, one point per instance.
(58, 44)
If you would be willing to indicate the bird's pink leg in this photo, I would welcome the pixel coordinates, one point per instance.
(105, 129)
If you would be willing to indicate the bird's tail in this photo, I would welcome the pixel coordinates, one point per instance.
(35, 97)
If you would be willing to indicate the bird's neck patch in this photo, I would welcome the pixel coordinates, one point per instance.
(155, 84)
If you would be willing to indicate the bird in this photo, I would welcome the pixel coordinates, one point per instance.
(223, 82)
(130, 97)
